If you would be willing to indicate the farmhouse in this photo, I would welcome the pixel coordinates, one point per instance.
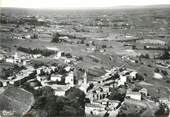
(56, 77)
(133, 95)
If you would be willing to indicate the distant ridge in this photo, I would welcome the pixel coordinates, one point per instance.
(114, 7)
(140, 7)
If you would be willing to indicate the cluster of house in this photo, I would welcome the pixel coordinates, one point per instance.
(129, 59)
(21, 59)
(33, 20)
(136, 95)
(99, 103)
(46, 75)
(57, 81)
(25, 36)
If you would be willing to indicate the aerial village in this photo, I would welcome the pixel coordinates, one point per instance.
(43, 59)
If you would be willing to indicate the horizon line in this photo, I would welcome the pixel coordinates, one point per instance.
(95, 8)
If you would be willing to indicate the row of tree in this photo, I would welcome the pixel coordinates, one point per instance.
(43, 52)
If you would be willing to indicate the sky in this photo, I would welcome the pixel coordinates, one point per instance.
(69, 4)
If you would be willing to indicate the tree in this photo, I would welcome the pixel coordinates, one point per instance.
(82, 41)
(68, 55)
(1, 84)
(133, 47)
(117, 94)
(168, 81)
(80, 58)
(164, 72)
(156, 70)
(5, 73)
(165, 55)
(76, 94)
(144, 56)
(90, 86)
(50, 104)
(104, 46)
(163, 111)
(139, 77)
(93, 43)
(147, 56)
(37, 64)
(55, 37)
(47, 91)
(34, 36)
(87, 44)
